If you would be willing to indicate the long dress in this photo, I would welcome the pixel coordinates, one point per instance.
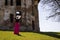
(16, 27)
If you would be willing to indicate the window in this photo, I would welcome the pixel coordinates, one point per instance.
(38, 0)
(11, 2)
(18, 2)
(6, 2)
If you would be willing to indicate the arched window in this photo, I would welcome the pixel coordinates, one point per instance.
(38, 0)
(11, 2)
(18, 2)
(6, 2)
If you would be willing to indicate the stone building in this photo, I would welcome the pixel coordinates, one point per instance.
(27, 8)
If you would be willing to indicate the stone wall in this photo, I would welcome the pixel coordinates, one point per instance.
(27, 7)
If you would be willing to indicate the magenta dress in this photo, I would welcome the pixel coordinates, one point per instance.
(16, 28)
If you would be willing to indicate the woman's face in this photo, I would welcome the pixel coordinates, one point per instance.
(18, 17)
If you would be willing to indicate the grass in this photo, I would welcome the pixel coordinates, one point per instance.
(8, 35)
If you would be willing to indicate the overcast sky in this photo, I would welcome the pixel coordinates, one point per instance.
(49, 15)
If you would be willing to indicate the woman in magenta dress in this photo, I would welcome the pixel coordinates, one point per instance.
(17, 25)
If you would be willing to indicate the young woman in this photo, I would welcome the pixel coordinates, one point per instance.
(17, 24)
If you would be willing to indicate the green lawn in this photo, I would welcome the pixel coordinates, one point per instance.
(8, 35)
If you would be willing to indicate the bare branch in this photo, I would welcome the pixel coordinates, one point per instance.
(57, 2)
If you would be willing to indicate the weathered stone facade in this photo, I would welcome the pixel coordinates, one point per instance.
(28, 8)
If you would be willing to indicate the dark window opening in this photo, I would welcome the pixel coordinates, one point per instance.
(33, 25)
(11, 18)
(6, 2)
(18, 2)
(32, 7)
(11, 2)
(38, 1)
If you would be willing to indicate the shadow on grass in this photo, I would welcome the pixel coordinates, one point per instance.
(52, 34)
(18, 34)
